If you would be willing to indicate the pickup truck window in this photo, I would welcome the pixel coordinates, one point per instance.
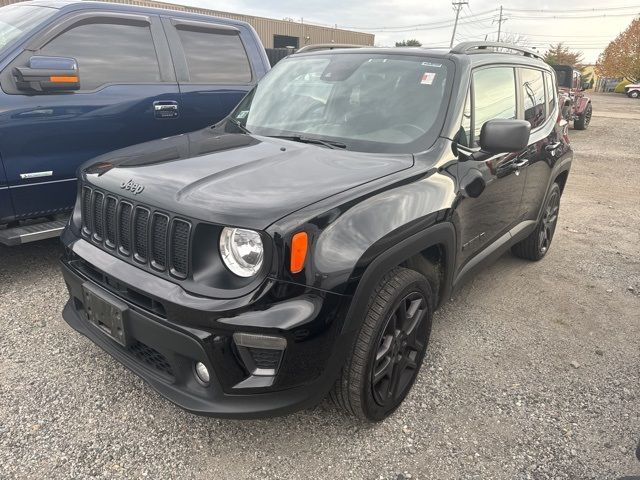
(108, 53)
(18, 19)
(215, 58)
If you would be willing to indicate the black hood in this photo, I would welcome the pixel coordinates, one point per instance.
(235, 179)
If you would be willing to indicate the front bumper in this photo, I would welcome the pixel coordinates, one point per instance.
(169, 330)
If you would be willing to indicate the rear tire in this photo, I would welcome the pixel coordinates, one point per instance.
(583, 121)
(634, 94)
(537, 244)
(389, 349)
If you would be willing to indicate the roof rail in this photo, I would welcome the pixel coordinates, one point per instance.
(327, 46)
(481, 47)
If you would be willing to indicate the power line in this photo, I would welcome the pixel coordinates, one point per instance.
(572, 17)
(443, 23)
(546, 10)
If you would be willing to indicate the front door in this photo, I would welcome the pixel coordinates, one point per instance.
(6, 208)
(125, 73)
(491, 186)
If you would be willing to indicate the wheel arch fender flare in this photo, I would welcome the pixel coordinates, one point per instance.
(441, 234)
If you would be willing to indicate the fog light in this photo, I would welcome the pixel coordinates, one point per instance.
(202, 373)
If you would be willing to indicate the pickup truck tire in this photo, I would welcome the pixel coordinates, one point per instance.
(634, 94)
(537, 244)
(583, 120)
(389, 348)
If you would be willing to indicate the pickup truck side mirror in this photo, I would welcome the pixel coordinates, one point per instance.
(502, 136)
(585, 86)
(48, 74)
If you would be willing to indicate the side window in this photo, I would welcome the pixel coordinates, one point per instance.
(108, 53)
(494, 97)
(551, 93)
(533, 95)
(215, 56)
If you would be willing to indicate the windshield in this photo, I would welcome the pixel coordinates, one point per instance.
(367, 102)
(18, 19)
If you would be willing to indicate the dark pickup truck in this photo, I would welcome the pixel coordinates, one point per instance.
(79, 79)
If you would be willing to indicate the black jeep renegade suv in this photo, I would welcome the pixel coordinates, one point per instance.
(300, 247)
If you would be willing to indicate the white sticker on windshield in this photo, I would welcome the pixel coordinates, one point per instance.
(242, 114)
(428, 78)
(429, 64)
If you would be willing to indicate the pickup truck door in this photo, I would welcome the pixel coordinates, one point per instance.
(216, 65)
(127, 86)
(6, 208)
(491, 186)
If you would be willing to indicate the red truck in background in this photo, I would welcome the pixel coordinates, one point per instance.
(576, 106)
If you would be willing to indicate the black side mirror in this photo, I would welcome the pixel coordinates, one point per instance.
(586, 86)
(504, 136)
(48, 74)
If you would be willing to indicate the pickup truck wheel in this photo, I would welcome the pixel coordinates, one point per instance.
(537, 244)
(583, 120)
(634, 94)
(389, 348)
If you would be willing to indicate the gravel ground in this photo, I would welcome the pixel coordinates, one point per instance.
(533, 370)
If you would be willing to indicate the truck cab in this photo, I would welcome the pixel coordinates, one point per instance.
(80, 79)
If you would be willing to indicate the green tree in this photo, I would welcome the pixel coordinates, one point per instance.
(559, 54)
(409, 43)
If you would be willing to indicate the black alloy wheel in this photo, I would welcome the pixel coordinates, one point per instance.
(399, 346)
(549, 221)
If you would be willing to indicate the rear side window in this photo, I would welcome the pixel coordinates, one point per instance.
(108, 53)
(532, 84)
(494, 91)
(215, 56)
(551, 93)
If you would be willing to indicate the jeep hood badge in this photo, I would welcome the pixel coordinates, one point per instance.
(132, 186)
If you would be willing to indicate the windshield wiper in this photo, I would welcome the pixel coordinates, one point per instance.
(315, 141)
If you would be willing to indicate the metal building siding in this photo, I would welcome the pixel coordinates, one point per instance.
(265, 27)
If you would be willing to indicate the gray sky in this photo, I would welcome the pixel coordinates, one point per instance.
(589, 35)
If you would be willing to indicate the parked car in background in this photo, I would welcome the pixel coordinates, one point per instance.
(79, 79)
(301, 245)
(576, 106)
(632, 90)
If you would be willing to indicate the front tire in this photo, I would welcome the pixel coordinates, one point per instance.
(537, 244)
(389, 348)
(634, 94)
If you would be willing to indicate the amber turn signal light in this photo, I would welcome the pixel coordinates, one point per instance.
(299, 244)
(63, 79)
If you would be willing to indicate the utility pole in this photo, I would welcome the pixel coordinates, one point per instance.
(458, 6)
(500, 20)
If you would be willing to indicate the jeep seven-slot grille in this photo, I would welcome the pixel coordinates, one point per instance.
(137, 232)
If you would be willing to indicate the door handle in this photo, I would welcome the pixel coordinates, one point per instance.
(521, 163)
(552, 147)
(164, 109)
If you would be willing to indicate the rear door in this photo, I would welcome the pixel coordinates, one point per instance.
(125, 75)
(546, 142)
(213, 68)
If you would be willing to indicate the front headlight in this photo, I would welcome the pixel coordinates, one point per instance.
(242, 251)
